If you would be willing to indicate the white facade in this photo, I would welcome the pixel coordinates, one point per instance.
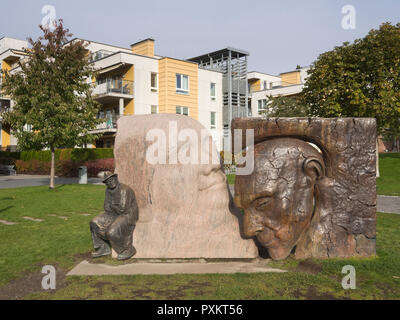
(208, 104)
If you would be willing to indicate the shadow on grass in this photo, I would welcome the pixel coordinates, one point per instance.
(6, 208)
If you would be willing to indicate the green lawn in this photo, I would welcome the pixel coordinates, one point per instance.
(389, 182)
(28, 245)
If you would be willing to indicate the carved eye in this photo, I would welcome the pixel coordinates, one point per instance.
(262, 203)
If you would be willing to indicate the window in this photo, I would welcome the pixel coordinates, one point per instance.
(212, 90)
(154, 109)
(212, 119)
(182, 110)
(154, 81)
(262, 106)
(182, 83)
(264, 85)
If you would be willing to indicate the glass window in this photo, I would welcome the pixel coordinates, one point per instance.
(182, 110)
(262, 105)
(154, 84)
(182, 83)
(154, 109)
(212, 91)
(212, 120)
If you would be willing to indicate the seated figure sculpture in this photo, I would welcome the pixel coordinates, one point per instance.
(286, 175)
(115, 226)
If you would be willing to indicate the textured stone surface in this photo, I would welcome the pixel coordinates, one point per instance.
(87, 269)
(344, 220)
(183, 208)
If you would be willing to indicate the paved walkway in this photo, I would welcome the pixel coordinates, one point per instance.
(36, 180)
(199, 267)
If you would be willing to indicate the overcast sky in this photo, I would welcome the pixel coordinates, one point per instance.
(279, 34)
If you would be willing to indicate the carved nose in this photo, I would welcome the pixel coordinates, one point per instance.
(250, 225)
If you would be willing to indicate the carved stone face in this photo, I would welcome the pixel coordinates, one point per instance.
(278, 197)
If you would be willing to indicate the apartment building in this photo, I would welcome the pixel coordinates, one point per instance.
(136, 81)
(11, 51)
(262, 86)
(212, 88)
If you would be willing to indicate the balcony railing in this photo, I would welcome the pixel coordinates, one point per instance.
(99, 55)
(110, 122)
(118, 86)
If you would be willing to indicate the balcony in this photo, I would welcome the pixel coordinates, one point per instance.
(99, 55)
(110, 90)
(109, 124)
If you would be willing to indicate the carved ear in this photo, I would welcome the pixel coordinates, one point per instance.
(314, 167)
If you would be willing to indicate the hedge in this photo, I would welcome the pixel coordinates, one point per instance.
(76, 155)
(64, 168)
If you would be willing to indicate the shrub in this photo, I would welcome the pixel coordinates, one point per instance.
(96, 166)
(76, 155)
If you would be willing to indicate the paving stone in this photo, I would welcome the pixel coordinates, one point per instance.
(7, 222)
(32, 219)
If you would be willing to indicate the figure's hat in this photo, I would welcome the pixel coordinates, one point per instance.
(108, 175)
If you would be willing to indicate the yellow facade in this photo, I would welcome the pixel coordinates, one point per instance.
(168, 98)
(144, 48)
(5, 137)
(130, 76)
(290, 78)
(255, 85)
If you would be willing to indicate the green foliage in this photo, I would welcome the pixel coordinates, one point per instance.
(9, 154)
(77, 155)
(51, 93)
(361, 79)
(287, 106)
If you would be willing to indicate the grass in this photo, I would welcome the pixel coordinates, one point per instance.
(27, 246)
(389, 182)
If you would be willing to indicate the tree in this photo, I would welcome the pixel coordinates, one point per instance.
(286, 106)
(53, 106)
(359, 79)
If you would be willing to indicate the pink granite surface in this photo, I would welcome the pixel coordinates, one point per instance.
(183, 208)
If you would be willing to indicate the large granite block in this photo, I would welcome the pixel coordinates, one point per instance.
(183, 208)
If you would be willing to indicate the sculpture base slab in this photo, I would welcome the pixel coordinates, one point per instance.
(166, 268)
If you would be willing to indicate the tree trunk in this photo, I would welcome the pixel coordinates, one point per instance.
(377, 158)
(52, 168)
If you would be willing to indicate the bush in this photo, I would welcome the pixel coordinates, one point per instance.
(76, 155)
(64, 168)
(10, 155)
(96, 166)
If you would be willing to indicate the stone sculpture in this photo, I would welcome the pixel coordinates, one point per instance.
(115, 226)
(313, 187)
(184, 206)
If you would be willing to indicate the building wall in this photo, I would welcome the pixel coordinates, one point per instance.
(10, 43)
(169, 99)
(290, 78)
(282, 91)
(206, 105)
(5, 136)
(130, 106)
(145, 48)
